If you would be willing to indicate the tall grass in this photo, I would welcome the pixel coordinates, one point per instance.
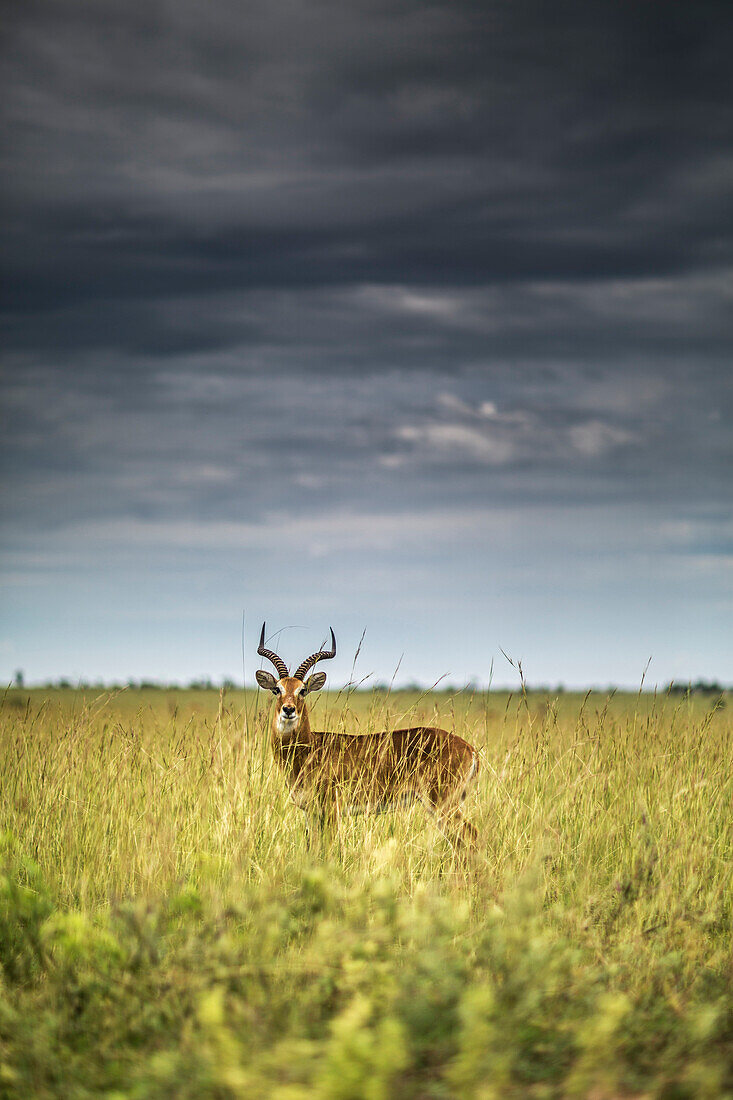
(166, 931)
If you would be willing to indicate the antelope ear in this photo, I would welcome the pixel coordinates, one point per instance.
(315, 682)
(266, 680)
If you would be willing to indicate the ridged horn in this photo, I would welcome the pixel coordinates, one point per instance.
(278, 662)
(322, 655)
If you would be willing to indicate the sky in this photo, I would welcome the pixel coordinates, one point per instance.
(411, 319)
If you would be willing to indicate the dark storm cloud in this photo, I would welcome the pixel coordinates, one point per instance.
(153, 153)
(397, 253)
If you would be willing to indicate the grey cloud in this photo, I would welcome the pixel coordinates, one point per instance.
(450, 146)
(495, 438)
(267, 270)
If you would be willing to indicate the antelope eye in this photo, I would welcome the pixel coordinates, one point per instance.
(303, 692)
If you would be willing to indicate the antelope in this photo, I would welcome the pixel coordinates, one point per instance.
(328, 772)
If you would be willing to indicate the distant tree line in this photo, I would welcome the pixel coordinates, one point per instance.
(205, 684)
(698, 687)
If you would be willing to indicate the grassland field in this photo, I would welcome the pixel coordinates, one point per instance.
(165, 930)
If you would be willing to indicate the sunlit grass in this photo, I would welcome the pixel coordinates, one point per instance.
(600, 899)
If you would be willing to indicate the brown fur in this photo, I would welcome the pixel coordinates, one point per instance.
(328, 772)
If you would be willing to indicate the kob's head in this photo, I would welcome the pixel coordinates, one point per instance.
(290, 691)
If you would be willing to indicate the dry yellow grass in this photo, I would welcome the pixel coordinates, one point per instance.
(606, 850)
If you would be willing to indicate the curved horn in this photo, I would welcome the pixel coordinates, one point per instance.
(322, 655)
(278, 662)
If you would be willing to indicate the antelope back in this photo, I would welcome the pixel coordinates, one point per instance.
(375, 770)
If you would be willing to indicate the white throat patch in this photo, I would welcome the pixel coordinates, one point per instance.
(286, 725)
